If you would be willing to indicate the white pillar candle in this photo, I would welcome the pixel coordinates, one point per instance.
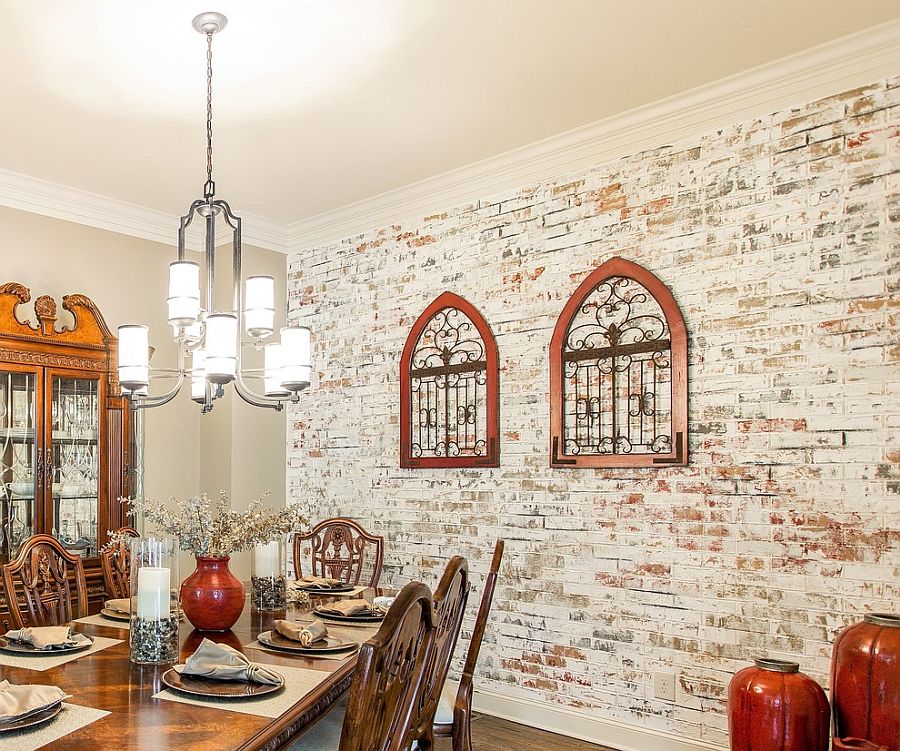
(153, 593)
(265, 560)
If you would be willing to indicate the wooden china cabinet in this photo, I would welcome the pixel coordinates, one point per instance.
(65, 429)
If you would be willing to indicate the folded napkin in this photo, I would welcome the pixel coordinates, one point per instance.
(48, 637)
(226, 664)
(121, 605)
(305, 633)
(319, 582)
(351, 607)
(17, 702)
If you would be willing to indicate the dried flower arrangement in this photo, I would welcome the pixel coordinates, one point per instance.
(212, 528)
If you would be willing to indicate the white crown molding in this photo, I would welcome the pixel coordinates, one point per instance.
(843, 64)
(577, 723)
(102, 212)
(265, 233)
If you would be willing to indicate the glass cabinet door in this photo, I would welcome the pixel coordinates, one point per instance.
(20, 469)
(74, 460)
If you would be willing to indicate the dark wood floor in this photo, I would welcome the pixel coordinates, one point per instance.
(493, 734)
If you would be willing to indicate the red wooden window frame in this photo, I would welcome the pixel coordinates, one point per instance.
(492, 399)
(619, 267)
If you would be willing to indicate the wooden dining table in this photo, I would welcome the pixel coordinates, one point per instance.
(108, 680)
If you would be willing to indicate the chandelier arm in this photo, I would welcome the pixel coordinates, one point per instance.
(210, 259)
(183, 224)
(237, 296)
(145, 402)
(256, 400)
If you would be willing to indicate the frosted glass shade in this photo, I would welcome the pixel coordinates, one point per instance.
(259, 306)
(221, 347)
(198, 375)
(273, 365)
(134, 357)
(184, 293)
(296, 353)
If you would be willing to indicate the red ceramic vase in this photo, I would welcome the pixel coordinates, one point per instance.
(212, 597)
(774, 707)
(865, 681)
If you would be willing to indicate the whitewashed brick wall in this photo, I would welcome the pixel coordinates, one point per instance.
(780, 239)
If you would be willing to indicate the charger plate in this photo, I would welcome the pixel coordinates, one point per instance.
(362, 618)
(118, 615)
(199, 685)
(327, 645)
(338, 590)
(115, 615)
(32, 719)
(24, 648)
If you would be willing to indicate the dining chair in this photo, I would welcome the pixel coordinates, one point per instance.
(341, 549)
(387, 683)
(454, 712)
(38, 583)
(116, 564)
(450, 599)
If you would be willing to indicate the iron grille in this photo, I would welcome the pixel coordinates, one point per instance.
(617, 376)
(448, 381)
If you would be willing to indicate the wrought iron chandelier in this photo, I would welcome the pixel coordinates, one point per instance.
(211, 336)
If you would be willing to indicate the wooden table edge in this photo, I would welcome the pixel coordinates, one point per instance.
(304, 713)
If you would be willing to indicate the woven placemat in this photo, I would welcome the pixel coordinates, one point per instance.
(353, 592)
(52, 660)
(102, 620)
(297, 683)
(71, 718)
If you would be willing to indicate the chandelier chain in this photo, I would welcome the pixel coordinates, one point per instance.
(209, 190)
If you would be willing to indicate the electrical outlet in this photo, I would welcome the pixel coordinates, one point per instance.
(664, 686)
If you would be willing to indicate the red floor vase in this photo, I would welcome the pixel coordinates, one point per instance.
(212, 597)
(772, 706)
(865, 681)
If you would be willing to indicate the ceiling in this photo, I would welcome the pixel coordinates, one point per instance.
(322, 103)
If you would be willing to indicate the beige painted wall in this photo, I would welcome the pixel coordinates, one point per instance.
(251, 442)
(235, 448)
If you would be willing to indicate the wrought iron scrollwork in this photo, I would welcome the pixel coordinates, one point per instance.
(617, 383)
(448, 377)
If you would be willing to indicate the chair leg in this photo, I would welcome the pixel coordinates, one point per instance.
(426, 742)
(462, 732)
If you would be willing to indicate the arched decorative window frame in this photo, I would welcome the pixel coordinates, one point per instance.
(492, 386)
(619, 267)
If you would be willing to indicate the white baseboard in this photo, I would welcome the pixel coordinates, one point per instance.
(582, 725)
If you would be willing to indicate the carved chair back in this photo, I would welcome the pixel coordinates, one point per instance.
(116, 565)
(39, 584)
(449, 608)
(341, 549)
(387, 681)
(461, 729)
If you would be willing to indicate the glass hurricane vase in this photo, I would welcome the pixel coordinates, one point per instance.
(153, 638)
(267, 585)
